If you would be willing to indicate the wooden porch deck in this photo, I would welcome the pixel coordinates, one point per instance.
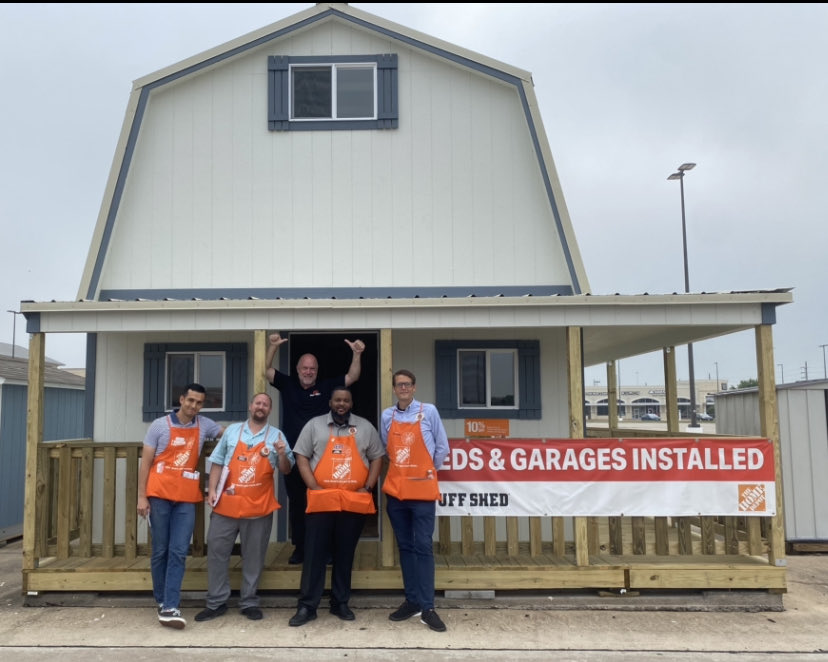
(454, 571)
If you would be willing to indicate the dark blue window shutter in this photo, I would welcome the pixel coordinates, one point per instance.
(387, 107)
(236, 402)
(445, 372)
(530, 379)
(154, 355)
(278, 113)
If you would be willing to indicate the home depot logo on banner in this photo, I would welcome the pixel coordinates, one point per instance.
(608, 477)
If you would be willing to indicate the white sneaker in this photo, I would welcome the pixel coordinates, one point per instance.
(172, 618)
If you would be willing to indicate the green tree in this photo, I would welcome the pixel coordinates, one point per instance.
(745, 383)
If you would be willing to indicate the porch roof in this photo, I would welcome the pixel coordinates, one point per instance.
(614, 326)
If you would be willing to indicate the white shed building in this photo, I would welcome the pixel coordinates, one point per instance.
(803, 439)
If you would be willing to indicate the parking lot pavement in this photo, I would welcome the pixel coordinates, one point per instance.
(545, 627)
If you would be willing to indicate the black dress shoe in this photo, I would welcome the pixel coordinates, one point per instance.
(302, 616)
(297, 557)
(343, 611)
(208, 614)
(253, 613)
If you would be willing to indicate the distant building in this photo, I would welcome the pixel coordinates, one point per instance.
(633, 401)
(18, 352)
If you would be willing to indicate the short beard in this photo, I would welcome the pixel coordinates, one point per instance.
(340, 419)
(258, 418)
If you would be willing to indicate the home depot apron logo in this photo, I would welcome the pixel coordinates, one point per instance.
(403, 455)
(342, 468)
(751, 498)
(181, 457)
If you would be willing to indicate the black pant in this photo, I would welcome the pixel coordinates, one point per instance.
(297, 503)
(334, 536)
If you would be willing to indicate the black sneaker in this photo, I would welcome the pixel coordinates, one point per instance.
(208, 614)
(430, 618)
(405, 611)
(172, 618)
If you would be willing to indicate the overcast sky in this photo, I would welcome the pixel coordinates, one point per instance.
(627, 92)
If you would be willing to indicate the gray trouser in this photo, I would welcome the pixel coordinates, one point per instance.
(255, 536)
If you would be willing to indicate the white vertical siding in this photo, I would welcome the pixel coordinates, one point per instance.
(804, 440)
(454, 196)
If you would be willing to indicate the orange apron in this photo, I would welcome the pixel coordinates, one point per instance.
(249, 490)
(411, 475)
(341, 472)
(173, 474)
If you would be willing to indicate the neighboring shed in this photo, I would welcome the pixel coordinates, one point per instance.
(63, 419)
(803, 439)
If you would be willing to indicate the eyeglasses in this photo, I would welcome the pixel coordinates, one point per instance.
(403, 385)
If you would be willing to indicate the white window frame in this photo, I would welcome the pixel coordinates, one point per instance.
(513, 352)
(334, 67)
(196, 355)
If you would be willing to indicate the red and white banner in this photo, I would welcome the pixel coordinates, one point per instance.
(669, 477)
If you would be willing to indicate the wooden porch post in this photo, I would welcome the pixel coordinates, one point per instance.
(612, 399)
(575, 375)
(671, 389)
(614, 430)
(769, 427)
(34, 435)
(386, 400)
(259, 355)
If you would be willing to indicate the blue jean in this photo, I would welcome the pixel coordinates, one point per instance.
(413, 524)
(172, 525)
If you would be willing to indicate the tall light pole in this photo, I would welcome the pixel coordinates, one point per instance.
(679, 174)
(782, 371)
(14, 328)
(824, 372)
(718, 383)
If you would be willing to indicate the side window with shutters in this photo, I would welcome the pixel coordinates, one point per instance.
(220, 367)
(488, 378)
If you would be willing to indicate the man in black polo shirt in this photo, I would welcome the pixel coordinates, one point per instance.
(303, 398)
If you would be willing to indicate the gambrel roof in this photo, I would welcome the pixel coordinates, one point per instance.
(558, 245)
(615, 326)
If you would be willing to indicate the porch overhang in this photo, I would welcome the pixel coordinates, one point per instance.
(614, 326)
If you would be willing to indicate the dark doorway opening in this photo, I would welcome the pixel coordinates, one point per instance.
(334, 357)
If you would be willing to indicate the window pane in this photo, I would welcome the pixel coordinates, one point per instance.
(472, 378)
(211, 377)
(180, 372)
(502, 379)
(355, 92)
(312, 92)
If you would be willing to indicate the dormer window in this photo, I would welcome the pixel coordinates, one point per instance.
(332, 93)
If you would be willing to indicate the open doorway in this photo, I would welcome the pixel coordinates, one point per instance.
(334, 357)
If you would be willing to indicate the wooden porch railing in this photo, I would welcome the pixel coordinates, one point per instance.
(86, 512)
